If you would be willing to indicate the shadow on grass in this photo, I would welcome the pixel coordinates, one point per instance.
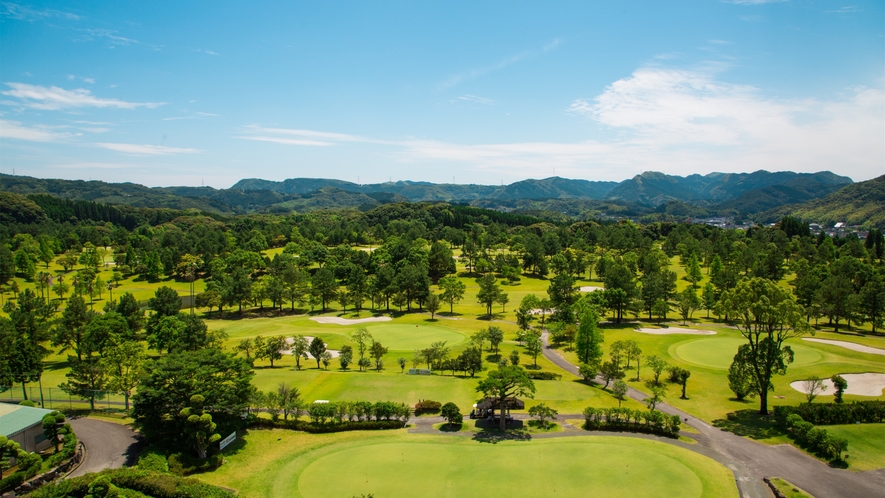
(749, 423)
(238, 445)
(491, 433)
(451, 427)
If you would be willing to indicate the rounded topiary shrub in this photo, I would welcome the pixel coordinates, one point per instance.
(427, 406)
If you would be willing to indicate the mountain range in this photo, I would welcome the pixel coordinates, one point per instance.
(759, 195)
(650, 188)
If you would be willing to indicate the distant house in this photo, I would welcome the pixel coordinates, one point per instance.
(24, 425)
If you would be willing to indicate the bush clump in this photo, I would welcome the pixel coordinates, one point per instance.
(427, 406)
(182, 464)
(153, 461)
(544, 375)
(452, 413)
(815, 440)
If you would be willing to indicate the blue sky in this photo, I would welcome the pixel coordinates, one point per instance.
(191, 93)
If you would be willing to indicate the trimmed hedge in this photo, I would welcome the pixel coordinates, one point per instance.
(155, 484)
(628, 420)
(815, 440)
(427, 406)
(544, 375)
(314, 428)
(865, 412)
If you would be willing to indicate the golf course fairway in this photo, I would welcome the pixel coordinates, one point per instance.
(455, 467)
(405, 337)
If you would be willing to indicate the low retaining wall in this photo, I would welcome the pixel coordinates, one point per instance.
(62, 470)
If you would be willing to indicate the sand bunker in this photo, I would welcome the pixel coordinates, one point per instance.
(848, 345)
(591, 288)
(674, 330)
(865, 384)
(539, 311)
(291, 340)
(349, 321)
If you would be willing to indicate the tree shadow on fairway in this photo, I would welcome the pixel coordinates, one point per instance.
(749, 423)
(490, 432)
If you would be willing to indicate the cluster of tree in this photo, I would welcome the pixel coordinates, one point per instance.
(357, 411)
(621, 419)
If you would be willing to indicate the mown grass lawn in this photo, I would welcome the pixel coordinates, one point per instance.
(281, 463)
(866, 444)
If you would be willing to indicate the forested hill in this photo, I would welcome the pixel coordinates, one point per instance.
(650, 188)
(855, 204)
(739, 195)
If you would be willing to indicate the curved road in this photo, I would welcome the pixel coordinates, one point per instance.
(751, 461)
(108, 445)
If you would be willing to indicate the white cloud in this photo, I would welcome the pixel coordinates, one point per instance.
(848, 9)
(109, 35)
(310, 138)
(55, 98)
(672, 120)
(15, 11)
(93, 165)
(458, 78)
(15, 130)
(72, 77)
(145, 150)
(475, 99)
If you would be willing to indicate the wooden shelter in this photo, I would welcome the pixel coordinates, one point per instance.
(487, 406)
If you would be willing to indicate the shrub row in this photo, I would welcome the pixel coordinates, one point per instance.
(427, 406)
(865, 412)
(356, 411)
(301, 425)
(628, 420)
(544, 375)
(815, 440)
(155, 484)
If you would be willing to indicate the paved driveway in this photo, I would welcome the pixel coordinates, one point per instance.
(108, 445)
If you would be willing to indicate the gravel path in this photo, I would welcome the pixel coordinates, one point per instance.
(108, 445)
(751, 461)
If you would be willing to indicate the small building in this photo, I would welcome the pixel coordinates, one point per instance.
(24, 425)
(487, 406)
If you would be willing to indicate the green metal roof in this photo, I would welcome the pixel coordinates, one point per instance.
(15, 418)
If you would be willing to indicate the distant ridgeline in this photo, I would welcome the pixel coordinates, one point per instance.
(760, 196)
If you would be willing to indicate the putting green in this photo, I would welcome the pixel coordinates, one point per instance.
(453, 467)
(718, 353)
(402, 337)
